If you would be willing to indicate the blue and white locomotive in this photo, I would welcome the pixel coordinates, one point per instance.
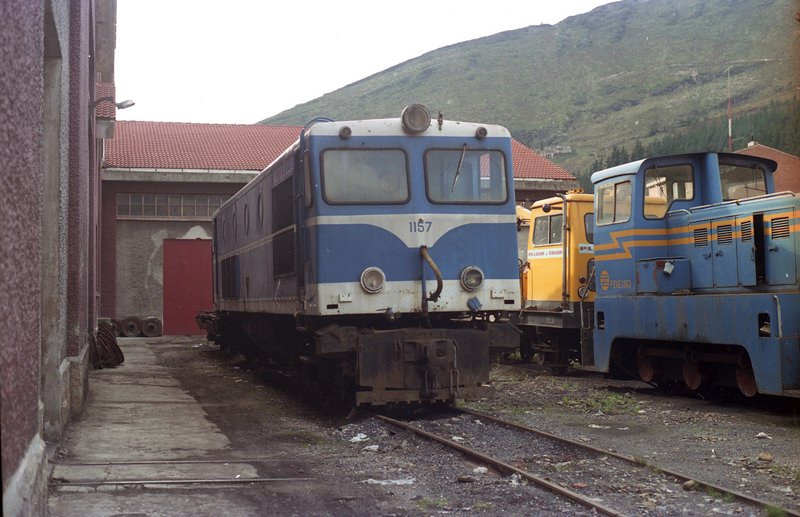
(377, 255)
(696, 271)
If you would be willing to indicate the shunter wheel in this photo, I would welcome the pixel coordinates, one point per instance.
(745, 377)
(646, 367)
(693, 375)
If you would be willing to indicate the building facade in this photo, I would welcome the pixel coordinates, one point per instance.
(163, 181)
(53, 53)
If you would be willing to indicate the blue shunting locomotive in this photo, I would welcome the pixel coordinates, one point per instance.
(697, 274)
(378, 256)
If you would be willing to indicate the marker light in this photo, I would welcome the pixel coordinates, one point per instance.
(372, 280)
(416, 118)
(471, 278)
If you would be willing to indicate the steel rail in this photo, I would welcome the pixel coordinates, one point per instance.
(505, 467)
(170, 462)
(223, 481)
(630, 459)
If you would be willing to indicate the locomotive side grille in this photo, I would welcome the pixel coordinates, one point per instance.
(230, 277)
(747, 231)
(725, 234)
(780, 228)
(701, 237)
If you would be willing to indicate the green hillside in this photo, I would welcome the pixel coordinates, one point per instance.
(635, 69)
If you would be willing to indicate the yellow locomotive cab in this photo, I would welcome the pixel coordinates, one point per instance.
(558, 282)
(559, 251)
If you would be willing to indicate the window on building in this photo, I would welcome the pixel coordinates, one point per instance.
(168, 206)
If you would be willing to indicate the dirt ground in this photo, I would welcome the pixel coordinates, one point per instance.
(751, 446)
(357, 465)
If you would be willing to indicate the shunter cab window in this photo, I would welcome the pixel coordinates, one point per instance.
(588, 226)
(741, 182)
(547, 230)
(613, 203)
(664, 185)
(364, 176)
(465, 176)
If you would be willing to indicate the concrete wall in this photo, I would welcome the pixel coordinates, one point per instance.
(132, 249)
(140, 280)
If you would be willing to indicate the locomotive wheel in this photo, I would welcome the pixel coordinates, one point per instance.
(646, 367)
(746, 378)
(693, 375)
(526, 351)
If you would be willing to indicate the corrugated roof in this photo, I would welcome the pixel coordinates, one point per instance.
(178, 145)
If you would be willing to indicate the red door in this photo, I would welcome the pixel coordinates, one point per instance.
(187, 285)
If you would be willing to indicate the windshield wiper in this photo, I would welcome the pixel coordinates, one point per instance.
(458, 169)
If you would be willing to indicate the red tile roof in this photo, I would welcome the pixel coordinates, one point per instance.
(105, 109)
(176, 145)
(530, 165)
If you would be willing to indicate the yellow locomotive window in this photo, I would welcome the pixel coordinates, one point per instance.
(547, 230)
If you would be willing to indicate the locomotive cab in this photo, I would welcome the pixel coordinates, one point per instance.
(558, 282)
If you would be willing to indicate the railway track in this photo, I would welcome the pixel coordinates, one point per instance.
(602, 481)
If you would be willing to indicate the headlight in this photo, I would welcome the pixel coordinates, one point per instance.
(416, 118)
(471, 278)
(372, 280)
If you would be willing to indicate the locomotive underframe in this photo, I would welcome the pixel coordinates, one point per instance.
(758, 352)
(558, 336)
(412, 364)
(381, 365)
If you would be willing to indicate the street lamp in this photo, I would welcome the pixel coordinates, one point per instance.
(120, 105)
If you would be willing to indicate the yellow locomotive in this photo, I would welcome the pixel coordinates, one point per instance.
(557, 276)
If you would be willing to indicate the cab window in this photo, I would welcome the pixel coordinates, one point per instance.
(613, 203)
(588, 226)
(462, 175)
(741, 182)
(547, 230)
(665, 185)
(361, 176)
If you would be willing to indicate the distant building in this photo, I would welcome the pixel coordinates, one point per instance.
(162, 181)
(536, 177)
(787, 176)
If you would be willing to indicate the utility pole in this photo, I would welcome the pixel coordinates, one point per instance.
(730, 113)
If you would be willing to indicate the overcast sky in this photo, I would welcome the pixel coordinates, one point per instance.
(240, 61)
